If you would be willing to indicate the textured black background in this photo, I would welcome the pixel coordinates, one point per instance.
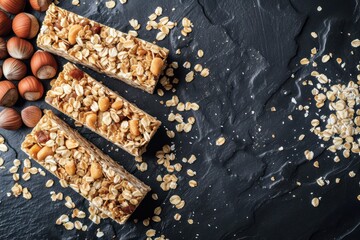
(252, 48)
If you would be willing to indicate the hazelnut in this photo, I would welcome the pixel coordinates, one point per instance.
(8, 94)
(13, 6)
(43, 65)
(76, 74)
(73, 32)
(19, 48)
(25, 25)
(95, 170)
(42, 136)
(44, 152)
(5, 24)
(134, 127)
(14, 69)
(96, 29)
(70, 167)
(10, 119)
(33, 151)
(3, 50)
(104, 104)
(156, 66)
(40, 5)
(91, 120)
(31, 116)
(30, 88)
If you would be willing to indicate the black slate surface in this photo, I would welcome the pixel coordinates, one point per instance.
(252, 49)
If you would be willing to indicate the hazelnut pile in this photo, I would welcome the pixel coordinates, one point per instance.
(13, 52)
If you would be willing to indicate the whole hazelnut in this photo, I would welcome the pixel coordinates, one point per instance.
(10, 119)
(8, 94)
(31, 116)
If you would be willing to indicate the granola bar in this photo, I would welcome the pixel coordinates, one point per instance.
(82, 166)
(101, 48)
(92, 104)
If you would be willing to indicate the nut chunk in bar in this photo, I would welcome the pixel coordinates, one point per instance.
(83, 167)
(92, 104)
(101, 48)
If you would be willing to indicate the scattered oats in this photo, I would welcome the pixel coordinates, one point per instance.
(99, 234)
(16, 177)
(158, 11)
(325, 58)
(17, 189)
(220, 141)
(78, 225)
(200, 53)
(110, 4)
(189, 76)
(190, 173)
(150, 233)
(198, 68)
(205, 72)
(314, 34)
(69, 225)
(309, 155)
(135, 24)
(190, 221)
(178, 51)
(17, 162)
(337, 180)
(133, 33)
(316, 164)
(3, 148)
(84, 228)
(273, 109)
(193, 183)
(122, 2)
(187, 65)
(26, 176)
(146, 222)
(13, 169)
(2, 139)
(155, 196)
(175, 199)
(156, 219)
(26, 194)
(192, 159)
(352, 174)
(1, 161)
(160, 36)
(320, 182)
(180, 205)
(142, 167)
(157, 211)
(49, 183)
(355, 43)
(301, 137)
(75, 2)
(170, 133)
(160, 92)
(177, 216)
(315, 202)
(304, 61)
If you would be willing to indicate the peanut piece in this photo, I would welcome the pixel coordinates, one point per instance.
(44, 152)
(70, 167)
(33, 151)
(73, 32)
(91, 120)
(95, 170)
(117, 105)
(104, 104)
(156, 66)
(134, 127)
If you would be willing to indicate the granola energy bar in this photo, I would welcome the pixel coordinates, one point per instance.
(82, 166)
(101, 48)
(92, 104)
